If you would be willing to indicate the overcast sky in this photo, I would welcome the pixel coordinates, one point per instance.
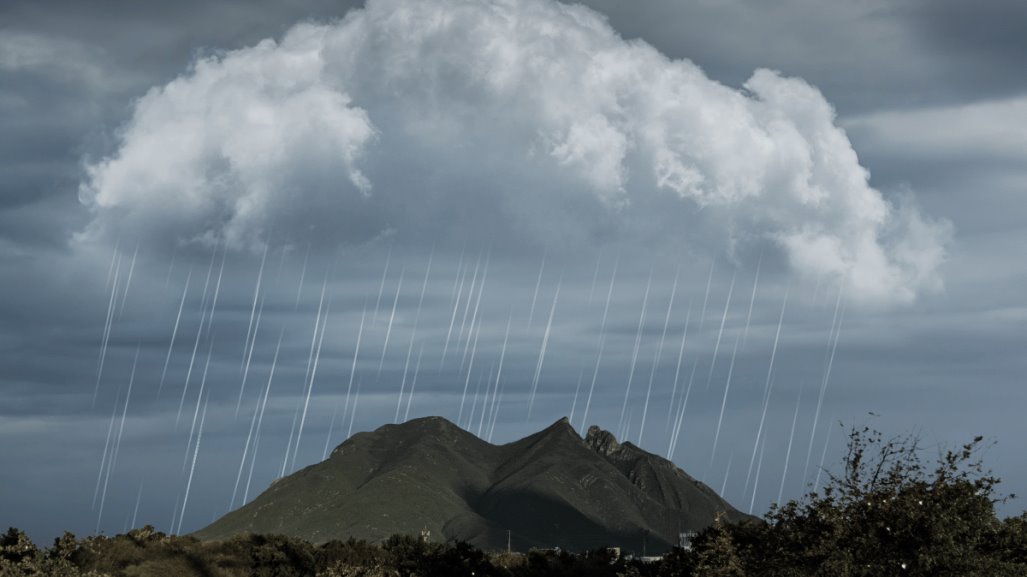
(232, 233)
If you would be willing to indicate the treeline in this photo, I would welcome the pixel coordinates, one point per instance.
(887, 513)
(148, 553)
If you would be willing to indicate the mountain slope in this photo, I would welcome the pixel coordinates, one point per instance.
(549, 489)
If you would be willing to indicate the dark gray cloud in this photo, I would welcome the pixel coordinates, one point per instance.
(929, 94)
(863, 56)
(982, 42)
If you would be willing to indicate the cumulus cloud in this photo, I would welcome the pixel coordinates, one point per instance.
(521, 122)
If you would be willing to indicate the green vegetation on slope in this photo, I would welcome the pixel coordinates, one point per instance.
(550, 489)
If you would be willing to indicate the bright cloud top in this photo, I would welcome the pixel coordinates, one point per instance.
(522, 122)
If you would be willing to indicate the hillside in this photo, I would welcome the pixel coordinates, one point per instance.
(550, 489)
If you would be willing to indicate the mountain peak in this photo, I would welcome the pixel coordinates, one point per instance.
(601, 441)
(560, 431)
(563, 424)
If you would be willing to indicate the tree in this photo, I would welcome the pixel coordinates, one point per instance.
(888, 513)
(717, 555)
(677, 563)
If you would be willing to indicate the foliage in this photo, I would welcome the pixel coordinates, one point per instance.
(887, 513)
(719, 557)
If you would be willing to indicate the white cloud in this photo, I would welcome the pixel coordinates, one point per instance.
(513, 121)
(989, 129)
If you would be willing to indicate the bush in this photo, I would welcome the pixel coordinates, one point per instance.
(887, 513)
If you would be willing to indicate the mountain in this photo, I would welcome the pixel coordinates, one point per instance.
(550, 489)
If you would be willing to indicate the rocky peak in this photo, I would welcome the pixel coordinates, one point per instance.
(600, 441)
(560, 429)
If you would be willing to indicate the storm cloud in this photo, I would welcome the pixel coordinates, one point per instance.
(530, 122)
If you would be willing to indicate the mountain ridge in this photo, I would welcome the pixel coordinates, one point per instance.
(553, 488)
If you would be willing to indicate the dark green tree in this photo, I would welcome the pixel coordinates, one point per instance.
(717, 556)
(889, 513)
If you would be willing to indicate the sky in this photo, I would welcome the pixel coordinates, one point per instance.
(233, 234)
